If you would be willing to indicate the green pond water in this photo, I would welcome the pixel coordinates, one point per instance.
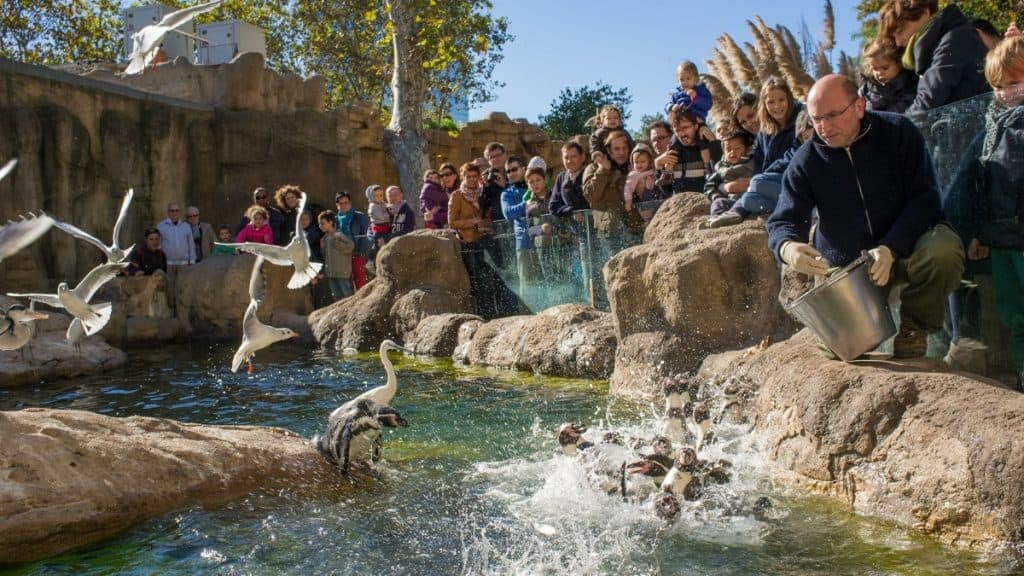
(474, 486)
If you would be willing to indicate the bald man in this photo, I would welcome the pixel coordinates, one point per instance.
(871, 179)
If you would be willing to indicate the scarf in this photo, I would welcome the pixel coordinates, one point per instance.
(471, 195)
(908, 60)
(343, 222)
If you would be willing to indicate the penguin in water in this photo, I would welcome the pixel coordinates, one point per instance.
(678, 405)
(604, 461)
(353, 436)
(571, 440)
(699, 424)
(16, 326)
(681, 482)
(656, 465)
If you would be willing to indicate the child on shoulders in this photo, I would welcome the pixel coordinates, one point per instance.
(608, 120)
(692, 95)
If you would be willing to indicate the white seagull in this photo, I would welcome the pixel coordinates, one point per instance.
(381, 395)
(93, 316)
(8, 168)
(296, 253)
(16, 235)
(146, 42)
(16, 327)
(114, 252)
(255, 334)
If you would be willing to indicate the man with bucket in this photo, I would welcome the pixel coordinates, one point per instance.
(871, 179)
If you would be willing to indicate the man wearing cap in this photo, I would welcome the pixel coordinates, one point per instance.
(870, 179)
(355, 225)
(202, 234)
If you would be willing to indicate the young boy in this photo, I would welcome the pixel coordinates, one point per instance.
(692, 95)
(224, 236)
(337, 250)
(1002, 181)
(736, 163)
(888, 87)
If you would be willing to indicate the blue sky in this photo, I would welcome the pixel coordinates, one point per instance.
(636, 44)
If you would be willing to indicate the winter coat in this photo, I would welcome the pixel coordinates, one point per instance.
(1002, 178)
(431, 195)
(263, 235)
(949, 58)
(460, 215)
(403, 220)
(881, 190)
(603, 190)
(688, 173)
(700, 106)
(726, 172)
(894, 96)
(567, 195)
(337, 250)
(514, 207)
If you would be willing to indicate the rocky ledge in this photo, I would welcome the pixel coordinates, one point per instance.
(933, 451)
(73, 478)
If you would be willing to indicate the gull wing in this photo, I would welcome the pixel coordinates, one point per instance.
(8, 168)
(298, 222)
(257, 288)
(82, 235)
(16, 235)
(144, 45)
(50, 300)
(121, 217)
(179, 17)
(97, 277)
(273, 253)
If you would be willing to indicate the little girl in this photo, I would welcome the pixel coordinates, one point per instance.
(640, 180)
(606, 121)
(258, 229)
(888, 87)
(380, 217)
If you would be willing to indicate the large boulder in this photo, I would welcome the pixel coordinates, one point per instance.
(73, 478)
(933, 451)
(211, 297)
(418, 274)
(438, 335)
(141, 314)
(568, 340)
(688, 292)
(49, 356)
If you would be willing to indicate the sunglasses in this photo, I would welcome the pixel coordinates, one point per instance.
(511, 170)
(261, 197)
(174, 210)
(191, 215)
(447, 174)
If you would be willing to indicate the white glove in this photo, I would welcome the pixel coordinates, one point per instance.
(882, 265)
(804, 258)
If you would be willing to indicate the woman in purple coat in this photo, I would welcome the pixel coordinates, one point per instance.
(434, 196)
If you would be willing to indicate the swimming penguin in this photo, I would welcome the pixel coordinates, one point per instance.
(699, 425)
(571, 440)
(16, 327)
(654, 466)
(681, 482)
(678, 404)
(353, 436)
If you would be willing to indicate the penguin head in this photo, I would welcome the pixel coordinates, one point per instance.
(677, 384)
(666, 505)
(701, 413)
(570, 437)
(686, 459)
(662, 446)
(390, 417)
(651, 465)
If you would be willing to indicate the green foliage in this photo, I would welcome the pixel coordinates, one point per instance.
(571, 110)
(447, 124)
(1000, 12)
(59, 31)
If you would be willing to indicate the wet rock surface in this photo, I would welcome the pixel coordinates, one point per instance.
(903, 440)
(75, 477)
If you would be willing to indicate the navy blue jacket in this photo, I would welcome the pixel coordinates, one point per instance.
(881, 190)
(769, 150)
(567, 195)
(949, 58)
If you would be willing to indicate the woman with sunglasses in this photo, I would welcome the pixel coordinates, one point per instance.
(438, 186)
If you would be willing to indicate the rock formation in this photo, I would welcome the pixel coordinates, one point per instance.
(687, 292)
(932, 451)
(418, 274)
(74, 477)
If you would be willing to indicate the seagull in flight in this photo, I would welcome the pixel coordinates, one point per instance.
(76, 301)
(146, 42)
(295, 253)
(255, 334)
(114, 252)
(16, 235)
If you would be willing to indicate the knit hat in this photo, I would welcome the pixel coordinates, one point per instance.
(537, 162)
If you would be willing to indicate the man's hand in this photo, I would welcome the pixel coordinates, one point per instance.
(882, 265)
(667, 160)
(602, 161)
(976, 250)
(804, 258)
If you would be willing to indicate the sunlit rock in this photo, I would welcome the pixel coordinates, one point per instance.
(73, 477)
(932, 451)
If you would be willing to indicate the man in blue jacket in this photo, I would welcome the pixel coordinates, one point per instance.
(871, 179)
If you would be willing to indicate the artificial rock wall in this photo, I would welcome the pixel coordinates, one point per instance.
(203, 136)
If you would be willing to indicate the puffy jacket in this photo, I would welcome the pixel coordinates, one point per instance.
(699, 106)
(949, 58)
(894, 96)
(882, 189)
(1002, 178)
(431, 195)
(261, 235)
(514, 208)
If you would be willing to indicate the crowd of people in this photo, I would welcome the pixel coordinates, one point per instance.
(849, 161)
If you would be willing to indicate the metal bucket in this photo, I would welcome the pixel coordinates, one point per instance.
(848, 312)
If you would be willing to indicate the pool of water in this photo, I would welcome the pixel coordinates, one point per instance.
(474, 486)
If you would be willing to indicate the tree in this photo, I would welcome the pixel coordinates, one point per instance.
(573, 108)
(646, 121)
(59, 31)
